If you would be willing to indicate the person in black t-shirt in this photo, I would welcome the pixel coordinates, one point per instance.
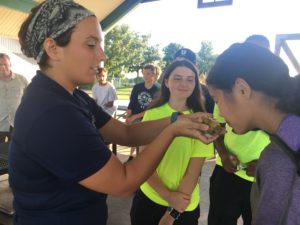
(141, 96)
(60, 169)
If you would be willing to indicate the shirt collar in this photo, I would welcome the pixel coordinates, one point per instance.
(13, 75)
(47, 83)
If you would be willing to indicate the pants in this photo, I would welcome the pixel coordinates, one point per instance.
(6, 134)
(229, 198)
(146, 212)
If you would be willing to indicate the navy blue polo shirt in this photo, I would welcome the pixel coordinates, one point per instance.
(56, 144)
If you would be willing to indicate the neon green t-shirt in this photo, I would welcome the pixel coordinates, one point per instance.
(175, 162)
(246, 147)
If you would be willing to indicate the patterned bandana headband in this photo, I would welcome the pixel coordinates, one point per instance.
(52, 19)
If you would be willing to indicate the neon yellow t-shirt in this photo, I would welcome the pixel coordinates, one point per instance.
(175, 162)
(246, 147)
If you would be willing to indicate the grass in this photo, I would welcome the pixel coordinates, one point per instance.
(123, 93)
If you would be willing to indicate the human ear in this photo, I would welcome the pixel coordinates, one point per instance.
(242, 87)
(166, 83)
(51, 49)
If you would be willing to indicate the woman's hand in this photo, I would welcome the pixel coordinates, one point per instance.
(192, 126)
(230, 162)
(179, 201)
(251, 168)
(166, 219)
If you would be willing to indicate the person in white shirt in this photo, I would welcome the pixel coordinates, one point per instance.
(104, 93)
(12, 87)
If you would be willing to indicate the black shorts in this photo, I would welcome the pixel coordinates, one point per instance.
(146, 212)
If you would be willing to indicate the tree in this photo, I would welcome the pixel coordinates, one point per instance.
(122, 47)
(169, 52)
(127, 51)
(152, 54)
(206, 59)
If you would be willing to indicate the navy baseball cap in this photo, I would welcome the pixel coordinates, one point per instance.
(186, 54)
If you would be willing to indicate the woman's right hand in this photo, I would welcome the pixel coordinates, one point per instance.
(166, 219)
(230, 162)
(192, 126)
(179, 201)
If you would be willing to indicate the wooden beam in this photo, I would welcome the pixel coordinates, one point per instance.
(118, 13)
(19, 5)
(213, 3)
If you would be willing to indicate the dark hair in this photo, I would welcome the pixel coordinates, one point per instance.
(290, 103)
(155, 69)
(194, 102)
(261, 69)
(5, 56)
(62, 40)
(259, 40)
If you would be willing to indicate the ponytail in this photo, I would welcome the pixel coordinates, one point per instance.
(290, 100)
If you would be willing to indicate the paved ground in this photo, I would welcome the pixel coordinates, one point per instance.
(119, 207)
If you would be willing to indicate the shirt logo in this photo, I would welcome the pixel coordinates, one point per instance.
(144, 99)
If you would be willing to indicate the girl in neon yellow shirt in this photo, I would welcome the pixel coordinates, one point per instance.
(172, 193)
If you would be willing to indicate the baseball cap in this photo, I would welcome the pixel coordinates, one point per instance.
(186, 54)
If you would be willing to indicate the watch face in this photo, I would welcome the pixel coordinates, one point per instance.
(174, 213)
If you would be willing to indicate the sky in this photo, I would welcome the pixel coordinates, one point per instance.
(180, 21)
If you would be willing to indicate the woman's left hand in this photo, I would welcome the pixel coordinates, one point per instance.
(251, 168)
(166, 219)
(192, 126)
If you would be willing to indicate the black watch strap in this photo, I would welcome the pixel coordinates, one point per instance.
(174, 213)
(174, 116)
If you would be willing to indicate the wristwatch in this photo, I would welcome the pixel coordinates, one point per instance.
(173, 212)
(174, 116)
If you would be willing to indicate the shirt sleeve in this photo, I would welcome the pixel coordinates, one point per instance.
(67, 144)
(202, 150)
(275, 172)
(100, 116)
(147, 116)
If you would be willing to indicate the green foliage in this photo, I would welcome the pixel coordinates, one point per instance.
(138, 80)
(169, 52)
(127, 51)
(206, 59)
(123, 93)
(151, 55)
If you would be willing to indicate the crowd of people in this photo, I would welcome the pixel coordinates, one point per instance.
(61, 169)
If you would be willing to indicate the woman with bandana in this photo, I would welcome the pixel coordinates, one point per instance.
(60, 169)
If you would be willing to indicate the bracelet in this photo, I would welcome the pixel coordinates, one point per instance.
(174, 116)
(173, 213)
